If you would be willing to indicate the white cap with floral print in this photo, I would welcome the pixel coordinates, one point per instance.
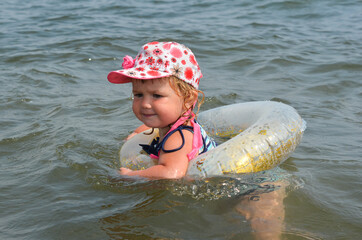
(157, 60)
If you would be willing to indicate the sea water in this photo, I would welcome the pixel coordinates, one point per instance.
(62, 123)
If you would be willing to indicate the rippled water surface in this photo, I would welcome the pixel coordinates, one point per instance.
(62, 123)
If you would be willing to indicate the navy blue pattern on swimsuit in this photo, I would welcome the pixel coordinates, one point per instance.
(156, 146)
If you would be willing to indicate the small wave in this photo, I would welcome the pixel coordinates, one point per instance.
(283, 5)
(337, 66)
(300, 234)
(336, 87)
(231, 186)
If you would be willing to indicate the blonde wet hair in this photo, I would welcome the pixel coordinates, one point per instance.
(188, 93)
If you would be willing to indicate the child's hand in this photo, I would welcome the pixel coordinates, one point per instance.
(131, 136)
(137, 131)
(124, 171)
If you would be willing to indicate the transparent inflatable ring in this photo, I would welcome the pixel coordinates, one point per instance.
(261, 135)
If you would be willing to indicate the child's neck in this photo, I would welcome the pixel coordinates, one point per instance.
(163, 131)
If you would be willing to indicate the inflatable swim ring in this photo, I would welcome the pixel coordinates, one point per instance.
(261, 136)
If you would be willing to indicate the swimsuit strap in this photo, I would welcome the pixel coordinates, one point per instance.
(197, 140)
(179, 129)
(156, 146)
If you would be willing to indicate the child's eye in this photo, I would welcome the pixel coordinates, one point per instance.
(157, 96)
(137, 95)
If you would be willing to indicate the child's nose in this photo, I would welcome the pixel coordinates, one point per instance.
(146, 103)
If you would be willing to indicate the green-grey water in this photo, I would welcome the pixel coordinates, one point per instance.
(62, 124)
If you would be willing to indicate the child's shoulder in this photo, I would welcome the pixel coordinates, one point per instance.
(180, 138)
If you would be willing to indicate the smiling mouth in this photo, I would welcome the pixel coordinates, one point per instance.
(148, 115)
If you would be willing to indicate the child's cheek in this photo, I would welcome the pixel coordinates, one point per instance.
(134, 107)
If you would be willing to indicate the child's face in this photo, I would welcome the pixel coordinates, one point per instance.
(155, 103)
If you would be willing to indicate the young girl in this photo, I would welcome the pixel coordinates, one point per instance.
(165, 77)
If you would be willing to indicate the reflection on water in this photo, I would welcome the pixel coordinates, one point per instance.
(255, 198)
(249, 202)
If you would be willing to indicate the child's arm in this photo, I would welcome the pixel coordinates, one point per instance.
(137, 131)
(170, 165)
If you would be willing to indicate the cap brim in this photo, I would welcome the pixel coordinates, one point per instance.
(118, 77)
(122, 76)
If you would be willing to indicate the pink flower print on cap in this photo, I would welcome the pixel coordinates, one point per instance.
(157, 60)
